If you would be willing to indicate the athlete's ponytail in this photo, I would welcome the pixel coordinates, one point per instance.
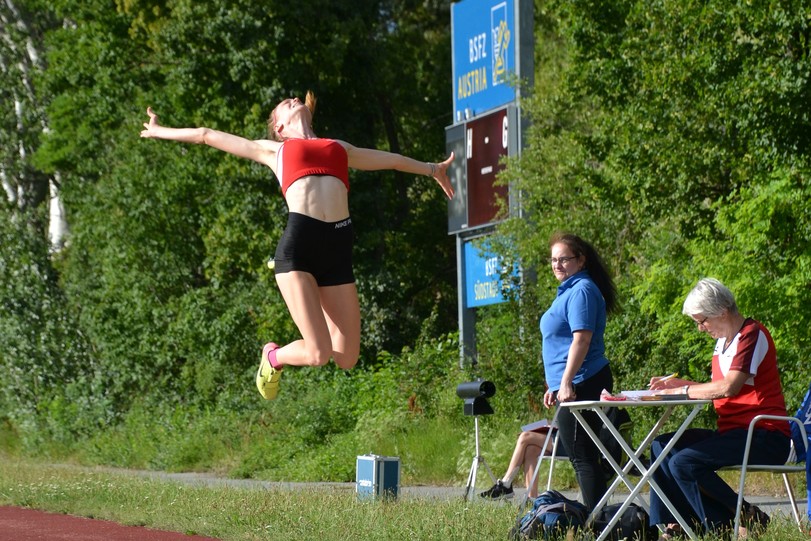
(309, 101)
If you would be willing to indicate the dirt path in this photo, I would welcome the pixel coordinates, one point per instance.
(19, 524)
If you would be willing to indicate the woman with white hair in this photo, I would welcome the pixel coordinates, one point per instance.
(745, 382)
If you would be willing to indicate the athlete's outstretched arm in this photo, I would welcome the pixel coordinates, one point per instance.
(368, 159)
(261, 151)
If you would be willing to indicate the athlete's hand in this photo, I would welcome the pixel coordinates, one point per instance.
(441, 176)
(151, 126)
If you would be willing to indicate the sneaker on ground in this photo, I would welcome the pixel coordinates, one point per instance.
(267, 377)
(754, 517)
(497, 491)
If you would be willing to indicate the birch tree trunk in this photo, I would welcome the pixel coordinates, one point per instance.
(23, 118)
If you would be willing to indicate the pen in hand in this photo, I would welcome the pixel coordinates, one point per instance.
(663, 379)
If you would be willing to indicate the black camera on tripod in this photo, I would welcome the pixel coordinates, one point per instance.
(475, 395)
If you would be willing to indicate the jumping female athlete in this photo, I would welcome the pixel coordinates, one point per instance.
(313, 260)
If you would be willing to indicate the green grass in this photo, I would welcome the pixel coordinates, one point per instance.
(238, 514)
(243, 514)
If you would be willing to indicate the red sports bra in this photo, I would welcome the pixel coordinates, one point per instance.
(303, 157)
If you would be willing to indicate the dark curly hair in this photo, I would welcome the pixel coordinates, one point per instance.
(594, 265)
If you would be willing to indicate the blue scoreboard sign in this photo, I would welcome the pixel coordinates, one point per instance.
(484, 51)
(484, 276)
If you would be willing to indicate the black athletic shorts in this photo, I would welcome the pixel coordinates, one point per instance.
(324, 249)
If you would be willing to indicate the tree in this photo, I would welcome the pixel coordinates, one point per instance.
(24, 119)
(164, 275)
(674, 137)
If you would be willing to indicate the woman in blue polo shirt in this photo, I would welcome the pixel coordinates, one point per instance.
(574, 352)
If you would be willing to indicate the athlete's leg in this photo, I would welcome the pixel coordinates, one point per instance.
(341, 310)
(301, 294)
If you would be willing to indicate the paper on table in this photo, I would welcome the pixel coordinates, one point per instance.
(538, 426)
(647, 394)
(638, 395)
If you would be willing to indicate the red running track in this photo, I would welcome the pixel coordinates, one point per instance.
(20, 524)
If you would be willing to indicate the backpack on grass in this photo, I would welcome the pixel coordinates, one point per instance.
(551, 516)
(633, 525)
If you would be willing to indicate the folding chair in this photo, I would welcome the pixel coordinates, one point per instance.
(551, 436)
(784, 469)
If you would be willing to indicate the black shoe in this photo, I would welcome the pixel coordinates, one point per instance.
(497, 492)
(753, 517)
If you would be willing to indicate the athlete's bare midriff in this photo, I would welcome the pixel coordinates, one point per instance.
(321, 197)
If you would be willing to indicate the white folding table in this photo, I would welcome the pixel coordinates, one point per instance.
(668, 406)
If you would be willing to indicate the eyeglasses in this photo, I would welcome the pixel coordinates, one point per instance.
(703, 321)
(561, 260)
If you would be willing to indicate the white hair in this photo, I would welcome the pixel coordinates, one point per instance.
(709, 298)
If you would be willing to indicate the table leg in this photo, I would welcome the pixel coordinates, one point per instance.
(634, 457)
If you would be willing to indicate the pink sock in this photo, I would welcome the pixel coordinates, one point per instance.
(272, 359)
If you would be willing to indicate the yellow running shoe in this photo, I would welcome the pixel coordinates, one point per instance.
(267, 377)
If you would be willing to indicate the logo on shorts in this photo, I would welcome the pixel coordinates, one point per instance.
(345, 223)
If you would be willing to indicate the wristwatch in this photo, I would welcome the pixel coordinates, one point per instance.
(686, 390)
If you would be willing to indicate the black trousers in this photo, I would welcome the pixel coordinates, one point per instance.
(583, 453)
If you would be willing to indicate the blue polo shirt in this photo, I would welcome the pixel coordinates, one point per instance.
(578, 306)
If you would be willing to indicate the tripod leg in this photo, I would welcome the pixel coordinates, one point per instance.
(489, 471)
(470, 490)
